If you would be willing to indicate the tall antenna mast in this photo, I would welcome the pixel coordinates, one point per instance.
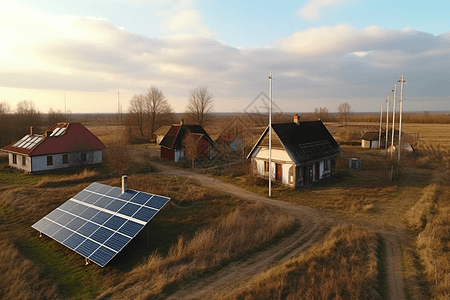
(387, 122)
(270, 137)
(393, 118)
(118, 109)
(379, 133)
(400, 122)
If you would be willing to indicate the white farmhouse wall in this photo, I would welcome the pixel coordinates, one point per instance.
(277, 154)
(39, 163)
(19, 165)
(365, 144)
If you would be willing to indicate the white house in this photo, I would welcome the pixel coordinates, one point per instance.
(302, 152)
(63, 145)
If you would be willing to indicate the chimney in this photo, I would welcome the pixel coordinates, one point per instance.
(31, 130)
(124, 183)
(182, 121)
(297, 119)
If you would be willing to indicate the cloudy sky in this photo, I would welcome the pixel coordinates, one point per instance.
(321, 52)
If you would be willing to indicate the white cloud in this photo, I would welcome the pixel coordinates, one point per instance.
(92, 55)
(313, 9)
(361, 53)
(187, 23)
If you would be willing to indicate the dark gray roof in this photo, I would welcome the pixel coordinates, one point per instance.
(306, 142)
(371, 136)
(174, 137)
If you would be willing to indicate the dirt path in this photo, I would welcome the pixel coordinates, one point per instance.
(313, 225)
(394, 271)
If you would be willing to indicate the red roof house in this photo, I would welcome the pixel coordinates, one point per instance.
(61, 146)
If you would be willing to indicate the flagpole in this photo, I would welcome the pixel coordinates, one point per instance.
(270, 137)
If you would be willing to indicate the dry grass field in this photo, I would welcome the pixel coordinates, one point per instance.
(343, 266)
(430, 217)
(435, 134)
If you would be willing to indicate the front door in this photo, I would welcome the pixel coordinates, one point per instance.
(317, 171)
(278, 173)
(307, 174)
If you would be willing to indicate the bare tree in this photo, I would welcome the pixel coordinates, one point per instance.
(157, 108)
(190, 147)
(322, 113)
(27, 114)
(5, 108)
(200, 105)
(54, 117)
(6, 125)
(344, 110)
(117, 156)
(137, 111)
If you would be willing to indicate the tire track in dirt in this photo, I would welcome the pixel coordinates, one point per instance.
(314, 224)
(393, 268)
(240, 272)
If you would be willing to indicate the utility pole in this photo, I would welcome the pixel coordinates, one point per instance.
(400, 122)
(387, 122)
(118, 109)
(393, 118)
(65, 105)
(379, 133)
(270, 137)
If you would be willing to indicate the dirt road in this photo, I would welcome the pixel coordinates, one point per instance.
(313, 225)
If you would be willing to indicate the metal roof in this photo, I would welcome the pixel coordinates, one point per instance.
(60, 138)
(174, 137)
(305, 143)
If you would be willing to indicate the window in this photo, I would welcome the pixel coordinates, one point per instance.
(49, 160)
(65, 159)
(24, 161)
(14, 157)
(266, 166)
(83, 157)
(326, 165)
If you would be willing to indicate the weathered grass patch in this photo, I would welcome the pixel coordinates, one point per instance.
(430, 216)
(19, 277)
(343, 266)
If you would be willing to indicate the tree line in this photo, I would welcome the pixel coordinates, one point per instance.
(15, 123)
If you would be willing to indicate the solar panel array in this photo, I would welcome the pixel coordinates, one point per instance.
(28, 141)
(58, 131)
(100, 221)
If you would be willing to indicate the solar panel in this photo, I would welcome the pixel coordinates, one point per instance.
(60, 132)
(55, 131)
(100, 221)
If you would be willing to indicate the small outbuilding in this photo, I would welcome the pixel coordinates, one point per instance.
(172, 147)
(61, 146)
(302, 153)
(370, 140)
